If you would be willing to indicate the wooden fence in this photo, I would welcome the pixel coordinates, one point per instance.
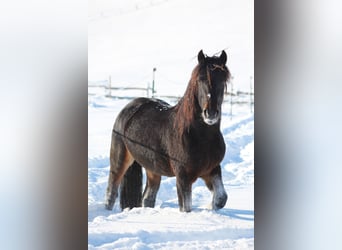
(105, 88)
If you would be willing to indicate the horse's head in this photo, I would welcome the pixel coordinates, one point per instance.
(212, 78)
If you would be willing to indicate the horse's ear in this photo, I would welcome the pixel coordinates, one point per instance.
(201, 57)
(223, 57)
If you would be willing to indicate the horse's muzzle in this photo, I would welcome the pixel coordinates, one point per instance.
(211, 117)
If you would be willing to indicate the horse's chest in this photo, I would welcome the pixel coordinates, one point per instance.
(206, 153)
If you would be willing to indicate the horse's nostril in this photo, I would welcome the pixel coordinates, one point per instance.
(211, 114)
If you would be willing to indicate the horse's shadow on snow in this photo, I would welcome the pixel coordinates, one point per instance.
(240, 214)
(237, 213)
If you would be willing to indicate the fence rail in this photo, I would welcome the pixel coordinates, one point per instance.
(126, 88)
(105, 88)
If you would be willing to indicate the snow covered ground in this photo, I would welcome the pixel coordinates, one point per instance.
(164, 227)
(126, 40)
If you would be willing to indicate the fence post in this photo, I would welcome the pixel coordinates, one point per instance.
(148, 90)
(231, 98)
(250, 94)
(153, 92)
(110, 85)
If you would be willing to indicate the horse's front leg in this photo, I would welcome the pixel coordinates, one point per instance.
(184, 187)
(215, 184)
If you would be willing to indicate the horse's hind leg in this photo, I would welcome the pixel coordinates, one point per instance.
(151, 189)
(131, 187)
(215, 184)
(120, 160)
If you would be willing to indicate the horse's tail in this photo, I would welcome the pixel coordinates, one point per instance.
(131, 187)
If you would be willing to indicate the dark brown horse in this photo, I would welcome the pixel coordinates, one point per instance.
(183, 141)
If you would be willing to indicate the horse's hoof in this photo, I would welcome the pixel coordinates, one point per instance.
(220, 202)
(182, 209)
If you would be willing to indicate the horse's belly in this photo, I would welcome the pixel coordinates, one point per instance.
(151, 158)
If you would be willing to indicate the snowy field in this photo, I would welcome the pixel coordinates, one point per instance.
(126, 40)
(134, 36)
(164, 227)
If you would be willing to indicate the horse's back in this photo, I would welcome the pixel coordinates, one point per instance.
(140, 107)
(127, 113)
(144, 125)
